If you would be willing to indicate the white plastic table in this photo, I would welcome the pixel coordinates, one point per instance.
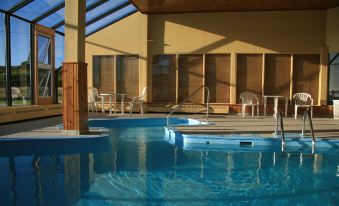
(110, 102)
(276, 99)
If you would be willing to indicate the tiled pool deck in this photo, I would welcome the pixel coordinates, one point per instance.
(221, 124)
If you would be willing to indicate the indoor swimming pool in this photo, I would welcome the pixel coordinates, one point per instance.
(137, 165)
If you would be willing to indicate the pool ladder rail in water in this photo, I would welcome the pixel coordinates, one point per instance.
(279, 122)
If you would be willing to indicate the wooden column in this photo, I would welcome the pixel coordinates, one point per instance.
(74, 75)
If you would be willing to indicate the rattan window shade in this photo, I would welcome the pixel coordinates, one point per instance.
(190, 77)
(128, 75)
(277, 74)
(164, 78)
(306, 70)
(249, 74)
(103, 73)
(217, 77)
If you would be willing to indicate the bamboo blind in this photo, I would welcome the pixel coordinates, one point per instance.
(103, 73)
(191, 77)
(164, 78)
(128, 74)
(249, 74)
(277, 74)
(306, 70)
(217, 77)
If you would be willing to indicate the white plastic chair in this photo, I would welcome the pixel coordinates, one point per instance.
(16, 94)
(302, 100)
(249, 99)
(92, 97)
(138, 100)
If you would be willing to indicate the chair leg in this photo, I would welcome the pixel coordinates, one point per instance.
(252, 111)
(295, 112)
(141, 108)
(312, 112)
(131, 107)
(243, 110)
(258, 110)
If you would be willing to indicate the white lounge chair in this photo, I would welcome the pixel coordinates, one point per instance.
(249, 99)
(138, 100)
(92, 99)
(302, 100)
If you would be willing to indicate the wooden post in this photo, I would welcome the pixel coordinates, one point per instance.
(74, 75)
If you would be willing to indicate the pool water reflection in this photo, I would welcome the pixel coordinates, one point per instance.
(137, 166)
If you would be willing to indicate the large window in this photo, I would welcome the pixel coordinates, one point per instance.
(20, 61)
(164, 78)
(333, 77)
(2, 61)
(128, 75)
(103, 73)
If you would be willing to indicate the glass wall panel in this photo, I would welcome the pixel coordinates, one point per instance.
(2, 61)
(59, 58)
(128, 75)
(37, 8)
(20, 58)
(164, 78)
(333, 78)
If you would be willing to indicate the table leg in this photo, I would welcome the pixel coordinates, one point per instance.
(265, 102)
(110, 105)
(275, 106)
(102, 104)
(122, 104)
(286, 106)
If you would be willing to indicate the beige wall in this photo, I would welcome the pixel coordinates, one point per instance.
(242, 32)
(333, 29)
(128, 36)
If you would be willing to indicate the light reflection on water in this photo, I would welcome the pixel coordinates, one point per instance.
(136, 166)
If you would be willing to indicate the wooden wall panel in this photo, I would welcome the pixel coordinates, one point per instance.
(74, 86)
(103, 73)
(164, 78)
(277, 74)
(190, 77)
(128, 75)
(306, 70)
(249, 74)
(217, 77)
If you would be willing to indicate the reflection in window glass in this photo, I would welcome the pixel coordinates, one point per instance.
(59, 58)
(44, 49)
(45, 83)
(20, 58)
(334, 78)
(2, 61)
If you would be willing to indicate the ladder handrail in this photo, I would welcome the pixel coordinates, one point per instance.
(308, 115)
(185, 100)
(279, 118)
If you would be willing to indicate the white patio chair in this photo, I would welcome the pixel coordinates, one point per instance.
(249, 99)
(92, 99)
(16, 94)
(302, 100)
(138, 100)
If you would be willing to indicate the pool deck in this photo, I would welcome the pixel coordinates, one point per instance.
(221, 124)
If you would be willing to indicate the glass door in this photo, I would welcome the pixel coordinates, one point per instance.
(44, 65)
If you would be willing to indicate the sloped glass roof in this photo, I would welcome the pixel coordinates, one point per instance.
(50, 13)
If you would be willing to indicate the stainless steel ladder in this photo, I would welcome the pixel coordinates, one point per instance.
(307, 115)
(188, 98)
(279, 122)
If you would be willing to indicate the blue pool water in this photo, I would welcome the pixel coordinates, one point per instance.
(137, 166)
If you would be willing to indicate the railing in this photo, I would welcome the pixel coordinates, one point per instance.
(308, 115)
(279, 119)
(188, 98)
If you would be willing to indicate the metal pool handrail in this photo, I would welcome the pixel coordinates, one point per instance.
(188, 98)
(308, 115)
(279, 118)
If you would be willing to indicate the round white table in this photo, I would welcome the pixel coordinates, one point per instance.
(276, 99)
(110, 95)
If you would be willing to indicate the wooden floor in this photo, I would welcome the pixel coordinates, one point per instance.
(221, 124)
